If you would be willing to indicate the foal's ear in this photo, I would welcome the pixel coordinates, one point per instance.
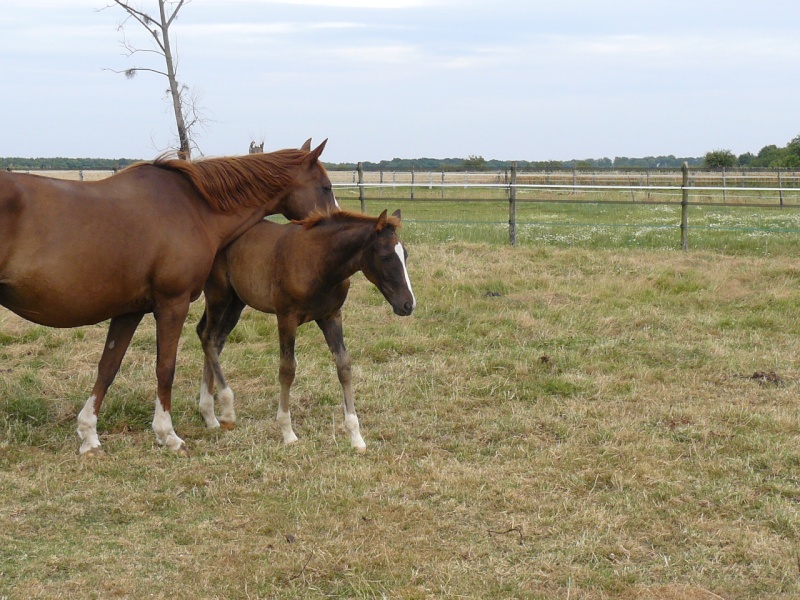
(313, 156)
(382, 220)
(306, 146)
(396, 214)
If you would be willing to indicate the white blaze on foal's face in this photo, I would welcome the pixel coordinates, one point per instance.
(402, 255)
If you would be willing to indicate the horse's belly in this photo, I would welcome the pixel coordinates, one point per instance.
(74, 307)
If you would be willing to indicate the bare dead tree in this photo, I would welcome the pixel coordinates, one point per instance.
(187, 114)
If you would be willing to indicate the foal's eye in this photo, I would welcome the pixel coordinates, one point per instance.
(386, 259)
(327, 189)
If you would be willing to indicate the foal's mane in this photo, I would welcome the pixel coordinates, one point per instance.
(232, 181)
(343, 217)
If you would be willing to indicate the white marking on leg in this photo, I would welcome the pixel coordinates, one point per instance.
(352, 426)
(284, 419)
(399, 251)
(111, 344)
(162, 426)
(87, 427)
(206, 406)
(226, 412)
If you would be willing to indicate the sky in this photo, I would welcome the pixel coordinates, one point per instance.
(381, 79)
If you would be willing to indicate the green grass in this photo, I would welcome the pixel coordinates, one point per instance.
(730, 229)
(557, 420)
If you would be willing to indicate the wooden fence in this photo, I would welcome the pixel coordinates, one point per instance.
(685, 187)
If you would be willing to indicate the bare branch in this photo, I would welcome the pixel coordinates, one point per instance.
(175, 13)
(146, 21)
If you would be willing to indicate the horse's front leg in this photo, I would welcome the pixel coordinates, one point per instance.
(170, 316)
(120, 332)
(334, 336)
(287, 330)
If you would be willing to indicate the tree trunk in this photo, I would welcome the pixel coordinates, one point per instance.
(185, 150)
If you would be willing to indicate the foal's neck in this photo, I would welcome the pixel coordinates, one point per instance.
(342, 250)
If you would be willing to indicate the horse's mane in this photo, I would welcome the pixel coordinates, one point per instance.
(233, 181)
(321, 217)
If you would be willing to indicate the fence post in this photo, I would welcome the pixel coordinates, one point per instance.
(724, 188)
(361, 188)
(512, 206)
(780, 186)
(413, 179)
(685, 207)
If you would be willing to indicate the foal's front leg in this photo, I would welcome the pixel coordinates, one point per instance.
(334, 336)
(287, 330)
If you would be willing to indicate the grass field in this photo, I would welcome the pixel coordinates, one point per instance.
(572, 418)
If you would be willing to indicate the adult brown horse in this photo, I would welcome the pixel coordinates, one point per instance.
(144, 240)
(299, 272)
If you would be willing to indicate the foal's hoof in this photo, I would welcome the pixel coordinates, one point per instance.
(227, 425)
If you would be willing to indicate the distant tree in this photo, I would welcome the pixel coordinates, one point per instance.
(746, 159)
(794, 146)
(769, 156)
(474, 163)
(717, 159)
(187, 115)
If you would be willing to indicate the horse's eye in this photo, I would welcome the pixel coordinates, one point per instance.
(327, 189)
(386, 258)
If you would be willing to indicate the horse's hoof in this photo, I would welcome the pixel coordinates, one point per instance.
(94, 453)
(227, 425)
(181, 450)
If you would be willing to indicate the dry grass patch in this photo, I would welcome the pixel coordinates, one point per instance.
(551, 423)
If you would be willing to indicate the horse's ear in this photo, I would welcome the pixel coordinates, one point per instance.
(306, 146)
(396, 214)
(382, 220)
(313, 156)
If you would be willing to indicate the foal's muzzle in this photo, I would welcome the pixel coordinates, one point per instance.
(404, 310)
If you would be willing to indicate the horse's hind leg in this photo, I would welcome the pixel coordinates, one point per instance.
(218, 321)
(334, 336)
(170, 316)
(120, 332)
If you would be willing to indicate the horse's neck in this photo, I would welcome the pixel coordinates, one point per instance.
(232, 225)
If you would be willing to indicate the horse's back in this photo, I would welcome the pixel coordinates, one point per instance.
(74, 253)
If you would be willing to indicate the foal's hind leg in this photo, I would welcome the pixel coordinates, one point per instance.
(332, 330)
(120, 332)
(287, 329)
(219, 319)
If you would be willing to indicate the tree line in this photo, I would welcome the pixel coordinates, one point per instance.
(17, 163)
(772, 156)
(478, 163)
